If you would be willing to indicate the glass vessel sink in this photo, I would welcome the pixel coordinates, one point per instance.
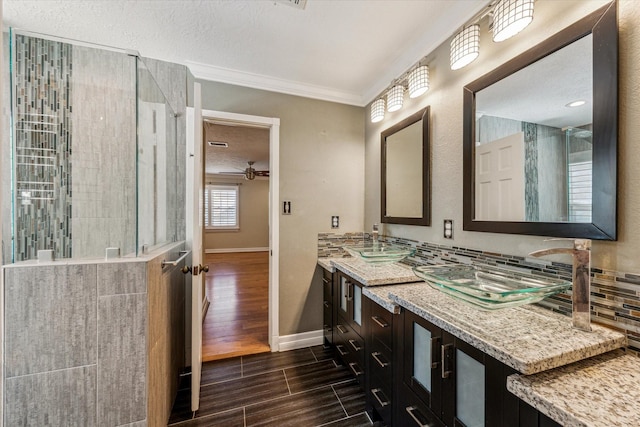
(379, 253)
(489, 287)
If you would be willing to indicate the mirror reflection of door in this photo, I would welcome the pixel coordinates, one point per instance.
(500, 179)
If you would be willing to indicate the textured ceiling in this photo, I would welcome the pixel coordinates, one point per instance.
(244, 144)
(341, 50)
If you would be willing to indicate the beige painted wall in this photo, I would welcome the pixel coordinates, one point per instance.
(254, 216)
(321, 173)
(445, 99)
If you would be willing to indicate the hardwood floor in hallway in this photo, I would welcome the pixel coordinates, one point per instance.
(237, 321)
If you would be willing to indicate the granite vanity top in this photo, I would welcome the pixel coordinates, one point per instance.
(601, 391)
(373, 275)
(380, 295)
(530, 339)
(327, 264)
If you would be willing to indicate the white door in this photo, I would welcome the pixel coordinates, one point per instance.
(500, 179)
(197, 272)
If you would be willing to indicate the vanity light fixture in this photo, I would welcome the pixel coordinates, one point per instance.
(418, 81)
(377, 110)
(510, 17)
(465, 47)
(576, 103)
(395, 98)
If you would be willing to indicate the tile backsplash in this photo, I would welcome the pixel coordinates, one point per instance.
(615, 296)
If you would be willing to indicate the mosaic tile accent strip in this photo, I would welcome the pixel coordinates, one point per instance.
(42, 147)
(615, 296)
(330, 244)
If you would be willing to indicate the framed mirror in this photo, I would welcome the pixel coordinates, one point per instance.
(540, 137)
(405, 171)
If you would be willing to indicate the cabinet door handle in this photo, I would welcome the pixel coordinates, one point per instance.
(339, 347)
(341, 329)
(355, 345)
(356, 369)
(445, 359)
(326, 281)
(435, 342)
(410, 410)
(375, 355)
(380, 322)
(382, 402)
(326, 304)
(349, 291)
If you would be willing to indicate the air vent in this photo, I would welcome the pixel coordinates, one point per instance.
(217, 144)
(298, 4)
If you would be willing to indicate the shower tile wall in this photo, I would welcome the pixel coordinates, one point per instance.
(104, 135)
(42, 147)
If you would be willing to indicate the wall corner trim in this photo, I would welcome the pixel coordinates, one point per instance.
(301, 340)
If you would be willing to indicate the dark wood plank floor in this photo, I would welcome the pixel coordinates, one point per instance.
(302, 388)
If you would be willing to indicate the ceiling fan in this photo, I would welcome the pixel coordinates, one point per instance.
(249, 173)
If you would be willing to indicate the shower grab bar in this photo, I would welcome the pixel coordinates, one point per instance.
(183, 255)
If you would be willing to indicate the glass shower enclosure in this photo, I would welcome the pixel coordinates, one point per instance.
(93, 161)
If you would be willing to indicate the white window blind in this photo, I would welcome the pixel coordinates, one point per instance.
(580, 182)
(221, 207)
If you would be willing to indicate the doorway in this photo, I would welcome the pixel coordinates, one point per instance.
(272, 251)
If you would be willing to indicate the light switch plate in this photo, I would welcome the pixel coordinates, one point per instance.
(286, 207)
(335, 221)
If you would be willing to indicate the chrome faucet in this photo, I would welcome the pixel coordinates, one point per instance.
(374, 234)
(581, 252)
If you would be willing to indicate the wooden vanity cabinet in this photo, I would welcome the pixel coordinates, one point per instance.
(448, 380)
(328, 305)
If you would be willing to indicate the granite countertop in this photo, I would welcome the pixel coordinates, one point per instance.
(327, 264)
(380, 295)
(601, 391)
(529, 338)
(374, 275)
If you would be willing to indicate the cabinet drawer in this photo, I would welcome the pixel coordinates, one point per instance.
(412, 412)
(350, 347)
(381, 325)
(381, 362)
(381, 396)
(327, 285)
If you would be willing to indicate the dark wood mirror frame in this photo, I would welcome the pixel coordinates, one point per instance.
(422, 115)
(603, 24)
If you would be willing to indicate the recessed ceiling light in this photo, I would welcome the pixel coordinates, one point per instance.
(218, 144)
(577, 103)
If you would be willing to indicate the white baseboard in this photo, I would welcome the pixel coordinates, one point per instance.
(304, 339)
(231, 250)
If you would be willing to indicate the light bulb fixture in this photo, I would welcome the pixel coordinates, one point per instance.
(465, 47)
(510, 17)
(377, 110)
(395, 98)
(576, 103)
(418, 81)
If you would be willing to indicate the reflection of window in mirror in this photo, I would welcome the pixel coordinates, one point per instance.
(533, 141)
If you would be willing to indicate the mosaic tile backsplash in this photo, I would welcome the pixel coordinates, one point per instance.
(615, 296)
(42, 147)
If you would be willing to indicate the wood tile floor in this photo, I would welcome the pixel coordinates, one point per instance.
(301, 388)
(237, 322)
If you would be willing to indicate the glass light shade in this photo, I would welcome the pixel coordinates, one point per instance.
(465, 47)
(395, 98)
(377, 110)
(418, 81)
(510, 17)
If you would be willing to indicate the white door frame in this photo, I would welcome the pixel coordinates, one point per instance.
(273, 124)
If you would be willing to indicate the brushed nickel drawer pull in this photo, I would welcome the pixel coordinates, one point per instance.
(326, 304)
(341, 329)
(356, 369)
(375, 355)
(375, 392)
(339, 347)
(326, 281)
(355, 345)
(410, 410)
(380, 322)
(445, 357)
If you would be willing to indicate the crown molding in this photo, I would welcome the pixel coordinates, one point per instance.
(258, 81)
